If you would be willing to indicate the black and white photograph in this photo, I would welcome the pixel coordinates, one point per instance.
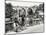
(24, 17)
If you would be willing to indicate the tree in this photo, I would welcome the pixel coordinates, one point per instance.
(30, 11)
(8, 10)
(40, 7)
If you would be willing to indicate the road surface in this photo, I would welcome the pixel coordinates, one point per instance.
(31, 29)
(35, 28)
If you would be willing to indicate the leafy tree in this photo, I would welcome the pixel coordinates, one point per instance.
(30, 11)
(8, 10)
(40, 7)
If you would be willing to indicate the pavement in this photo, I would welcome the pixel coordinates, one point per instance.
(32, 29)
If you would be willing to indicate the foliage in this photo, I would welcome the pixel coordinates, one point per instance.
(8, 10)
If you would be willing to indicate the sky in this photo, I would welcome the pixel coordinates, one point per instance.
(21, 3)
